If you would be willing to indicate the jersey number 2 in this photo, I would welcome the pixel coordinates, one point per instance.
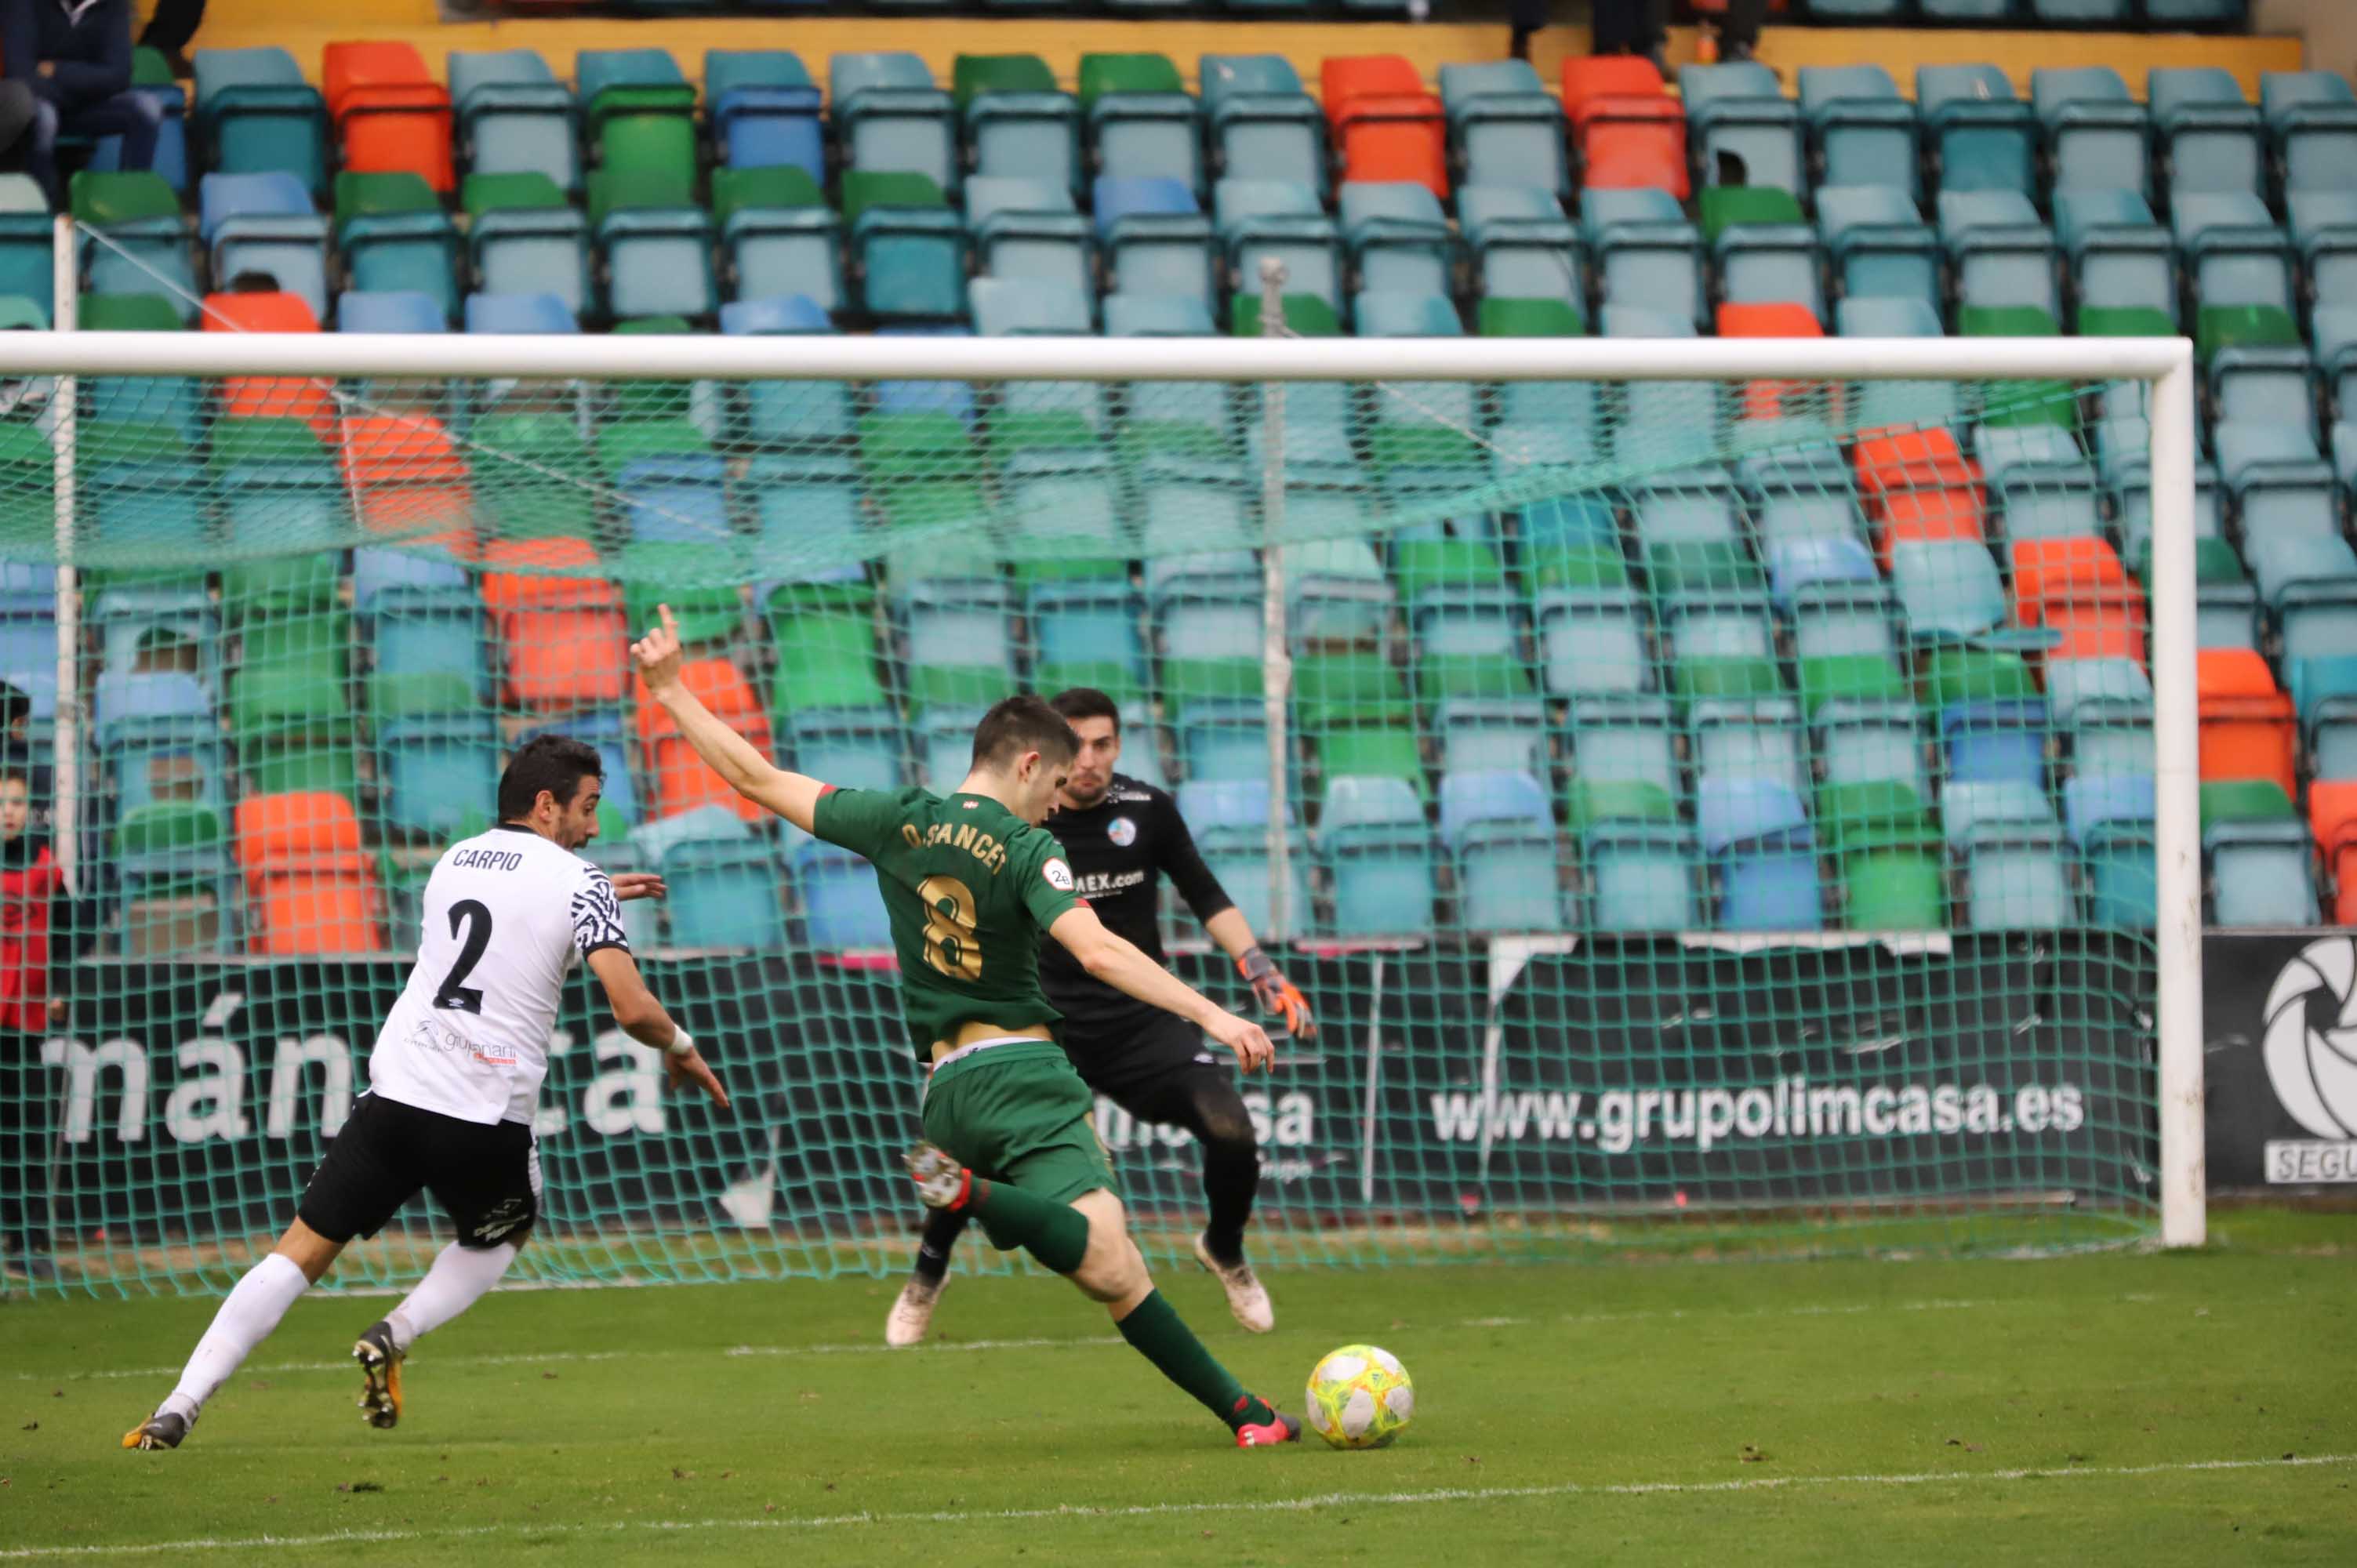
(454, 993)
(950, 945)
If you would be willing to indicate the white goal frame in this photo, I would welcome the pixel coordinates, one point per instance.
(2165, 365)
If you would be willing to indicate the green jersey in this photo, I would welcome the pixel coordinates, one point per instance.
(969, 888)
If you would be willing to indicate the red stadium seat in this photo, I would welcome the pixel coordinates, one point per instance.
(2249, 729)
(310, 887)
(560, 623)
(1766, 400)
(391, 116)
(682, 782)
(2078, 587)
(271, 397)
(1630, 132)
(1386, 126)
(2332, 813)
(407, 478)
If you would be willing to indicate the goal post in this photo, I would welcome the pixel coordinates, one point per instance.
(1564, 1077)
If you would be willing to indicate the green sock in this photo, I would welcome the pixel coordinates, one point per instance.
(1156, 1331)
(1055, 1233)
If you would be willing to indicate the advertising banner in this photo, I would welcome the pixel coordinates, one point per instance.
(2280, 1052)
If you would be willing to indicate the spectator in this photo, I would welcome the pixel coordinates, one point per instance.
(1618, 27)
(76, 57)
(30, 885)
(17, 753)
(1738, 33)
(18, 105)
(168, 31)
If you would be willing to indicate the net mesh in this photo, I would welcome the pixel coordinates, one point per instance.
(1717, 816)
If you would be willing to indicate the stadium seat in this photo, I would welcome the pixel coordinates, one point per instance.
(1763, 851)
(255, 113)
(2311, 120)
(724, 880)
(146, 251)
(764, 112)
(389, 114)
(2248, 726)
(1386, 128)
(1982, 137)
(908, 246)
(310, 889)
(2001, 253)
(1260, 218)
(1864, 134)
(264, 224)
(1737, 119)
(1504, 127)
(1647, 254)
(639, 111)
(1762, 248)
(2120, 258)
(1029, 230)
(394, 238)
(889, 118)
(1499, 835)
(523, 238)
(1142, 123)
(1397, 237)
(1522, 246)
(841, 909)
(28, 239)
(1378, 853)
(514, 116)
(1879, 244)
(2324, 228)
(552, 610)
(1629, 132)
(1019, 123)
(778, 239)
(2097, 138)
(1263, 126)
(1155, 239)
(2235, 255)
(657, 244)
(2210, 137)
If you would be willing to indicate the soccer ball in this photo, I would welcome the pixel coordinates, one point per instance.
(1360, 1397)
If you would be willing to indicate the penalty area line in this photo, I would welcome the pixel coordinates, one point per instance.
(1439, 1494)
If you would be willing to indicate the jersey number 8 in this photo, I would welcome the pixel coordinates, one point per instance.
(950, 945)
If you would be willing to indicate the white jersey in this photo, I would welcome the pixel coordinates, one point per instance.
(506, 914)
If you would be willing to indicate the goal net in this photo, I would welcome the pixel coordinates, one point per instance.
(1712, 814)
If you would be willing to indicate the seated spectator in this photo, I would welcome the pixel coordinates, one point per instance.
(75, 55)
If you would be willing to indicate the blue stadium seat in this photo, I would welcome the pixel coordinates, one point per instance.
(514, 116)
(1770, 264)
(2096, 136)
(1376, 848)
(1758, 738)
(1029, 230)
(842, 909)
(723, 881)
(170, 162)
(2000, 740)
(2016, 879)
(139, 250)
(889, 116)
(2261, 872)
(1259, 219)
(1647, 254)
(2001, 253)
(2324, 228)
(773, 251)
(156, 734)
(1640, 876)
(1397, 237)
(2210, 136)
(2120, 256)
(2233, 252)
(519, 313)
(1947, 589)
(28, 242)
(1155, 240)
(1504, 126)
(1522, 246)
(1982, 137)
(521, 250)
(1026, 136)
(256, 113)
(438, 773)
(265, 224)
(1764, 853)
(764, 110)
(1594, 640)
(851, 748)
(1145, 135)
(913, 256)
(1500, 838)
(1739, 111)
(1485, 735)
(1878, 243)
(1263, 126)
(1865, 135)
(2311, 119)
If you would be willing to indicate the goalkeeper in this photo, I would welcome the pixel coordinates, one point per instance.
(970, 883)
(1119, 836)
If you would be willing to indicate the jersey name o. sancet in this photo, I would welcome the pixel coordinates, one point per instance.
(969, 889)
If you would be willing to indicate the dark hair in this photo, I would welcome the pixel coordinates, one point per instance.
(556, 763)
(1018, 724)
(1086, 703)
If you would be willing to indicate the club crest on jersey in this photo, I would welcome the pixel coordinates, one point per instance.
(1122, 831)
(1059, 875)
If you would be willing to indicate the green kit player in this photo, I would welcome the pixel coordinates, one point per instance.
(970, 881)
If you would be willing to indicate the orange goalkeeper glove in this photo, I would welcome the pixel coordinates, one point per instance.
(1277, 995)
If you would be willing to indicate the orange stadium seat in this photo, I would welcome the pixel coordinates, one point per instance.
(270, 397)
(391, 116)
(1765, 400)
(560, 624)
(682, 782)
(310, 887)
(1386, 126)
(1630, 132)
(2249, 729)
(407, 477)
(2078, 587)
(2332, 814)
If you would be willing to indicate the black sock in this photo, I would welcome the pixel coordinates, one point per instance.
(1230, 1165)
(942, 1228)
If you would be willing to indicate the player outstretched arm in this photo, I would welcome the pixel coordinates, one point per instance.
(1117, 962)
(644, 1020)
(792, 795)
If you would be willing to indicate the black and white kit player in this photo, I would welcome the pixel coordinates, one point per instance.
(454, 1081)
(1120, 836)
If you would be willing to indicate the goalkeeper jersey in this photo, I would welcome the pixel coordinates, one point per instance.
(969, 888)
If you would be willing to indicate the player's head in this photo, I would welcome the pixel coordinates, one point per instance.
(1026, 749)
(16, 805)
(552, 786)
(1097, 721)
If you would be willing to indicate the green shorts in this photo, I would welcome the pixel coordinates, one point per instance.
(1019, 1113)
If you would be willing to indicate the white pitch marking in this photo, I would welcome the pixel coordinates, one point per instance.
(1140, 1510)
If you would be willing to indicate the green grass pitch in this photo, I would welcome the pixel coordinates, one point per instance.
(2117, 1408)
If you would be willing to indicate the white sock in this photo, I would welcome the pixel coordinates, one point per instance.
(460, 1278)
(245, 1320)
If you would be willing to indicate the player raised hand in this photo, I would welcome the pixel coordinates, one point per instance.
(1277, 995)
(1246, 1038)
(657, 653)
(684, 1069)
(629, 884)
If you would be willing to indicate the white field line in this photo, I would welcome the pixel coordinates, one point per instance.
(1076, 1342)
(1143, 1510)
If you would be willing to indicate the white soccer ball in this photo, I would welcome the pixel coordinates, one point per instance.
(1360, 1397)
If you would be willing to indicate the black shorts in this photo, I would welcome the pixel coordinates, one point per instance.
(1139, 1061)
(485, 1178)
